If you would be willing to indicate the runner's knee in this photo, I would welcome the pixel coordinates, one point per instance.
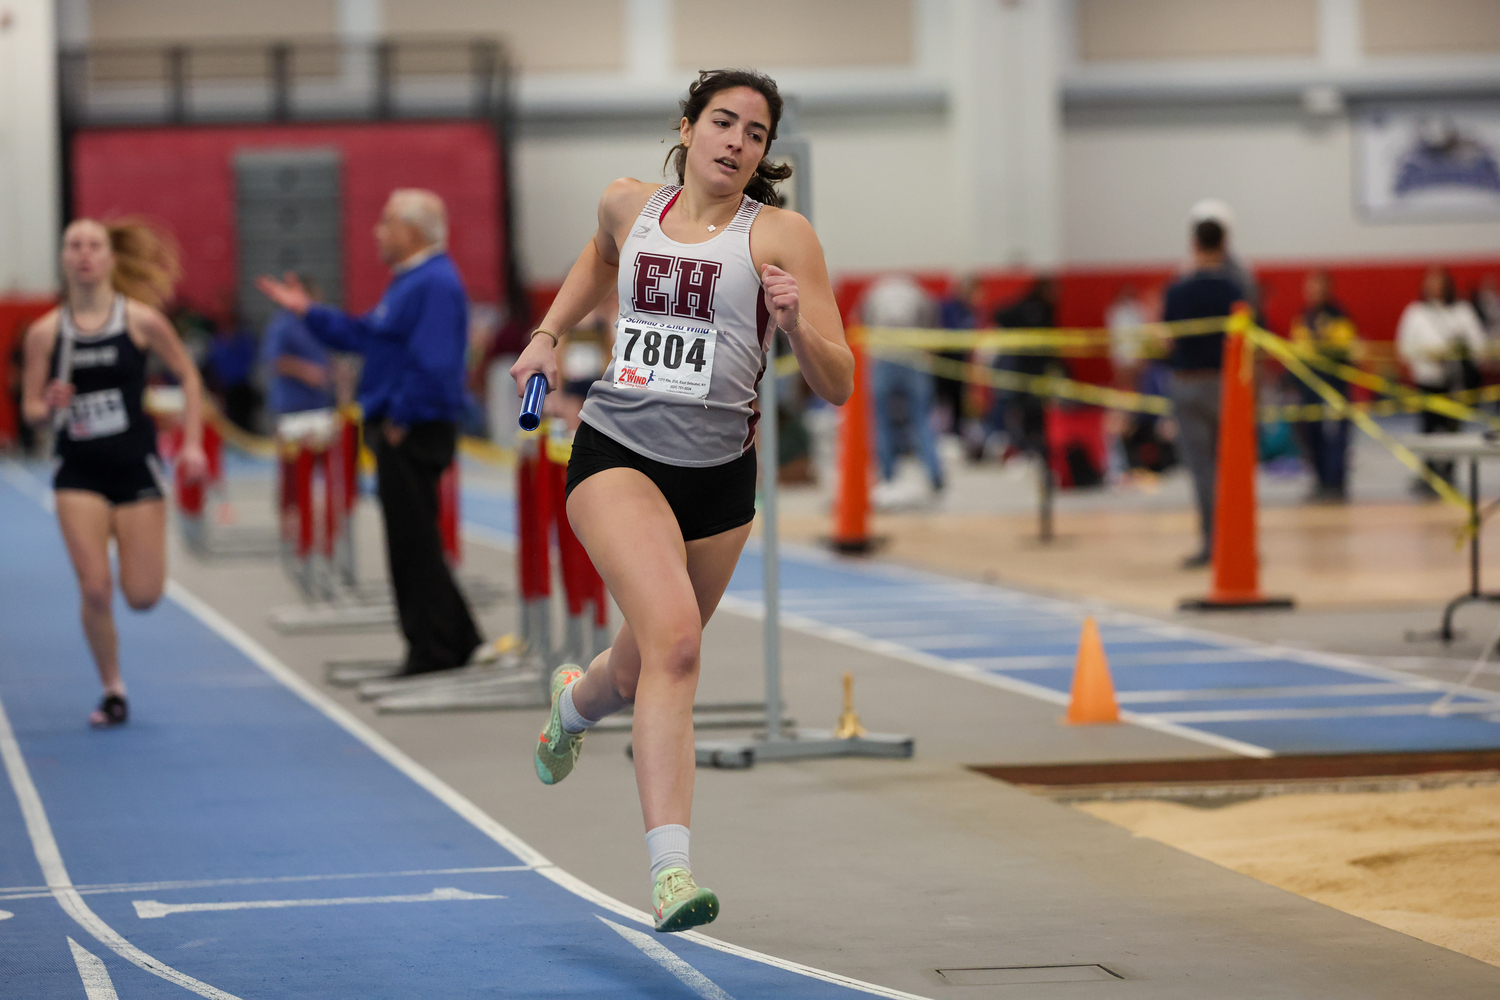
(141, 598)
(96, 594)
(680, 647)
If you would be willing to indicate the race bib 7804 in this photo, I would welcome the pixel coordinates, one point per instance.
(663, 357)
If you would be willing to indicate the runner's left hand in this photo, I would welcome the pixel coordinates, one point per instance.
(781, 296)
(193, 462)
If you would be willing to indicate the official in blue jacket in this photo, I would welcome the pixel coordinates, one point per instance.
(411, 392)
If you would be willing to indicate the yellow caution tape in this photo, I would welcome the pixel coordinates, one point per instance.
(1066, 341)
(1446, 405)
(1283, 352)
(242, 439)
(487, 451)
(1036, 385)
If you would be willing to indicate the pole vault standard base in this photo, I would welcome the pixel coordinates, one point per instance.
(802, 744)
(524, 687)
(298, 619)
(717, 715)
(358, 616)
(780, 742)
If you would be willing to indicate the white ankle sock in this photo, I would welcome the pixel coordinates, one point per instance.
(668, 846)
(571, 721)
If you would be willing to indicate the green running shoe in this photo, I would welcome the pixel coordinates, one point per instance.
(680, 902)
(558, 749)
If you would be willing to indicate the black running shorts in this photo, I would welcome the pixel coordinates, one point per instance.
(707, 500)
(126, 482)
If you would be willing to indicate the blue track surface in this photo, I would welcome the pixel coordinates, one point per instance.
(1247, 697)
(249, 840)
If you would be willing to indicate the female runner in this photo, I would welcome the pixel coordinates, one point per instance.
(85, 367)
(661, 485)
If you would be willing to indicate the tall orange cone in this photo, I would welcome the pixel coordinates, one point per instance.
(1236, 561)
(851, 505)
(1093, 697)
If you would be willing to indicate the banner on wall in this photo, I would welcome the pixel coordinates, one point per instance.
(1429, 163)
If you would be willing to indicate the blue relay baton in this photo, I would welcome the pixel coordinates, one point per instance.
(531, 403)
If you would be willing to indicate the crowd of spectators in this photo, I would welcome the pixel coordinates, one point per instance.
(1441, 343)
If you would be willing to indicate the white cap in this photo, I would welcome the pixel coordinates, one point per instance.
(1212, 208)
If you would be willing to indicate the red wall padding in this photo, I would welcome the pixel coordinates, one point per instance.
(183, 177)
(16, 315)
(1374, 294)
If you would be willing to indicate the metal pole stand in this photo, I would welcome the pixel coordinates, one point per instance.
(778, 741)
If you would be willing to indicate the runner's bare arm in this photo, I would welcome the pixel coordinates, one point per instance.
(162, 339)
(40, 338)
(589, 281)
(800, 298)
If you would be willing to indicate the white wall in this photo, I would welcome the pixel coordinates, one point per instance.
(1128, 188)
(882, 190)
(28, 149)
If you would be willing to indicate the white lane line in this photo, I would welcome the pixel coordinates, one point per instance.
(36, 891)
(960, 668)
(658, 953)
(44, 844)
(1183, 657)
(26, 483)
(6, 914)
(450, 797)
(1350, 712)
(96, 981)
(1225, 694)
(150, 909)
(489, 536)
(943, 641)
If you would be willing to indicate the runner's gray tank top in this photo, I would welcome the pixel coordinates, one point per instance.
(689, 346)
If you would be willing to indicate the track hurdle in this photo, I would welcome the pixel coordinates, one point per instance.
(203, 506)
(319, 454)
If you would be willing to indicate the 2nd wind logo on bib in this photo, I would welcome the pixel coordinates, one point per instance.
(635, 377)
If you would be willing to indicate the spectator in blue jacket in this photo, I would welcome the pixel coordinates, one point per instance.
(411, 393)
(298, 377)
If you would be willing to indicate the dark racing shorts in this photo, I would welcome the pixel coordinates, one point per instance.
(118, 483)
(706, 501)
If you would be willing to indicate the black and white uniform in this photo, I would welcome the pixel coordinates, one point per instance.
(675, 402)
(106, 444)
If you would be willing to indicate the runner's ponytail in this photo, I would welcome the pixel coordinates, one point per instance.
(147, 260)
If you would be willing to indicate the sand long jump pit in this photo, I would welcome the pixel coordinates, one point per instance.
(1417, 850)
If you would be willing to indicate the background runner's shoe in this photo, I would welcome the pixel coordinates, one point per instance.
(680, 902)
(557, 750)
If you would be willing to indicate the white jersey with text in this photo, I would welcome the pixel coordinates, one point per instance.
(689, 346)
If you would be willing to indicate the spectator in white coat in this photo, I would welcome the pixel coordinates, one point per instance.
(1441, 341)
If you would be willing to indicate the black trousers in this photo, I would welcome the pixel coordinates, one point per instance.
(434, 617)
(1437, 423)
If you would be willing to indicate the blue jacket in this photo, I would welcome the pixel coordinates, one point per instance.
(287, 336)
(413, 344)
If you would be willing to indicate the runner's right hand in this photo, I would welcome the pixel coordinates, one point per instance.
(57, 395)
(539, 356)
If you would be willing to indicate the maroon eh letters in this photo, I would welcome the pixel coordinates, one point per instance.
(691, 296)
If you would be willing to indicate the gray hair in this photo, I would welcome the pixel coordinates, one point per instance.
(422, 209)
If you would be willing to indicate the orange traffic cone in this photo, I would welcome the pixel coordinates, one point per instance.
(1093, 697)
(851, 505)
(1236, 562)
